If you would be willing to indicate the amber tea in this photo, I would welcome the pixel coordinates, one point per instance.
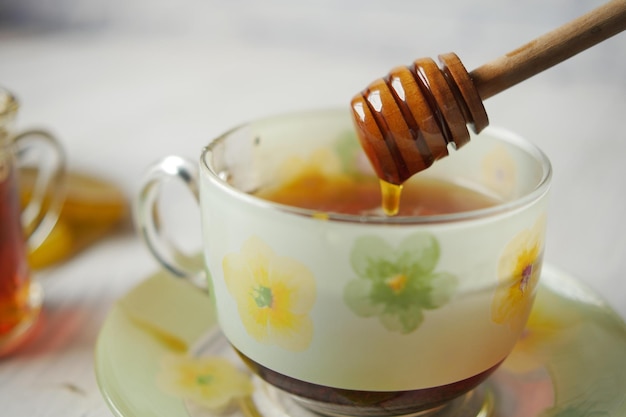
(23, 230)
(14, 274)
(316, 190)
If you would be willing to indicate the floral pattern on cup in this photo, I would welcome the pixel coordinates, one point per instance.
(542, 329)
(519, 268)
(350, 153)
(345, 156)
(274, 295)
(398, 284)
(499, 171)
(212, 382)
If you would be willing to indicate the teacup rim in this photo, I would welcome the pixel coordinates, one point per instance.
(541, 188)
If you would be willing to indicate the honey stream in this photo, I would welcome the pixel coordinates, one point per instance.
(390, 197)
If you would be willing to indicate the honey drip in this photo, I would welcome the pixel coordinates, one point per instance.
(390, 194)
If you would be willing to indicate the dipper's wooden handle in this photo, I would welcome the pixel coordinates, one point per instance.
(550, 49)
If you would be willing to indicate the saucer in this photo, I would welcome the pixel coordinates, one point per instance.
(160, 348)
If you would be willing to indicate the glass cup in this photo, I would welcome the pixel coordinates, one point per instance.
(24, 230)
(360, 314)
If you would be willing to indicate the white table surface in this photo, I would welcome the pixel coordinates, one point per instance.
(123, 84)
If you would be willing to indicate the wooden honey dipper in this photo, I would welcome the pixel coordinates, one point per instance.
(406, 120)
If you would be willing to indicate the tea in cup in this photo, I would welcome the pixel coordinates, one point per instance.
(343, 309)
(24, 230)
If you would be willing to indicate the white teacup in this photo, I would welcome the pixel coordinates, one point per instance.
(361, 314)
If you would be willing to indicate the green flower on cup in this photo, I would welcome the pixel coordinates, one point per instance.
(274, 295)
(211, 382)
(398, 284)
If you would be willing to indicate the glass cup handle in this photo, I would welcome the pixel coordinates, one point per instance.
(149, 226)
(44, 205)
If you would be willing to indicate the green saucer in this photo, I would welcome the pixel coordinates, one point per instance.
(160, 353)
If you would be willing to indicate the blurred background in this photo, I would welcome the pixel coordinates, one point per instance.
(125, 82)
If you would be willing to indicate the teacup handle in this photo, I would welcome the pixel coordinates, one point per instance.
(146, 216)
(44, 206)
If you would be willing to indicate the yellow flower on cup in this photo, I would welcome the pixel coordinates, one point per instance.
(211, 382)
(519, 268)
(542, 330)
(274, 295)
(499, 171)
